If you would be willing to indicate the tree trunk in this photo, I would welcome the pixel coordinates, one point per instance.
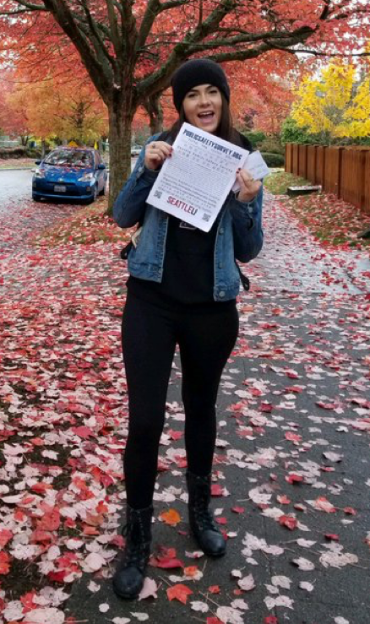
(119, 150)
(155, 112)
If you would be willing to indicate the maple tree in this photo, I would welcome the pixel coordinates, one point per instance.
(335, 104)
(13, 114)
(51, 108)
(262, 91)
(130, 49)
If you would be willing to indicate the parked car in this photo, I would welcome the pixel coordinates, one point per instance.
(135, 150)
(70, 173)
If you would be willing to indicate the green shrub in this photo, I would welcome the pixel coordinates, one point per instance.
(255, 136)
(273, 160)
(291, 133)
(33, 152)
(272, 145)
(13, 152)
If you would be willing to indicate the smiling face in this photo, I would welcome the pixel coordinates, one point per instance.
(203, 106)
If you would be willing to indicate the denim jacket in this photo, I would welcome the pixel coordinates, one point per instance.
(239, 232)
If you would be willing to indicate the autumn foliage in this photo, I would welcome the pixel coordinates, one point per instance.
(130, 50)
(336, 103)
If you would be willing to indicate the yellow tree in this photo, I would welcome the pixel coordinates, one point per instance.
(68, 111)
(336, 104)
(358, 114)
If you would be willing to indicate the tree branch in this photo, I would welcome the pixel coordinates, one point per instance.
(29, 6)
(159, 80)
(172, 4)
(116, 39)
(20, 12)
(147, 22)
(92, 61)
(326, 10)
(129, 31)
(325, 54)
(95, 38)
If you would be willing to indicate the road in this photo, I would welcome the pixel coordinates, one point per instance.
(14, 185)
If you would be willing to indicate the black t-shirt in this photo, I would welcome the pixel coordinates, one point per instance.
(188, 268)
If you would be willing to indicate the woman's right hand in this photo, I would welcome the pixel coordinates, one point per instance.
(156, 153)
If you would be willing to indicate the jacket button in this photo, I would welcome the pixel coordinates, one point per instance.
(221, 230)
(222, 293)
(220, 265)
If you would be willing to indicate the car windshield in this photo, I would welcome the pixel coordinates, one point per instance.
(70, 158)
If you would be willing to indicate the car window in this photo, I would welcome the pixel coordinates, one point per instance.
(70, 158)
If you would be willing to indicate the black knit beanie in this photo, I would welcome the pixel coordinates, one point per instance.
(196, 72)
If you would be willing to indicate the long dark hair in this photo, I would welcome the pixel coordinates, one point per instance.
(225, 129)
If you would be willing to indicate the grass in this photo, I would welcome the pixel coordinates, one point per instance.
(277, 183)
(329, 219)
(17, 163)
(87, 226)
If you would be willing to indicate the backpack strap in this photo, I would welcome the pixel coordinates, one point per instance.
(243, 278)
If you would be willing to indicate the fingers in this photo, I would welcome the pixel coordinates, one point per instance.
(248, 186)
(245, 177)
(156, 152)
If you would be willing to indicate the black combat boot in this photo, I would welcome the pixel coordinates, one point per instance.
(128, 578)
(202, 524)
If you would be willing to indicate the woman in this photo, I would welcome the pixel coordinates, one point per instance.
(182, 291)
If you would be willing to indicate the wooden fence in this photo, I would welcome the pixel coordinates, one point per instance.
(344, 171)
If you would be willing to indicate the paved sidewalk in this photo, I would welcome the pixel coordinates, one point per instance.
(293, 449)
(291, 473)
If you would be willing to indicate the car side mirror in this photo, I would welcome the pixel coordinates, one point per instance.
(37, 162)
(101, 166)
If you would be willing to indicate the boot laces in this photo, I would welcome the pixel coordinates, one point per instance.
(204, 518)
(135, 553)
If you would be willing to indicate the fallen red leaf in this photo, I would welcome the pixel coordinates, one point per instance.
(293, 437)
(167, 559)
(294, 478)
(4, 563)
(283, 500)
(214, 589)
(27, 601)
(5, 537)
(216, 489)
(289, 522)
(174, 435)
(179, 592)
(238, 510)
(350, 511)
(191, 570)
(50, 521)
(171, 517)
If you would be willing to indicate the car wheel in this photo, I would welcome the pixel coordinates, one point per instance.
(36, 198)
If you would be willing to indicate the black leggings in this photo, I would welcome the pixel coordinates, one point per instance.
(149, 337)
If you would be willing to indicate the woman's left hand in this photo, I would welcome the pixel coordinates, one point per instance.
(248, 186)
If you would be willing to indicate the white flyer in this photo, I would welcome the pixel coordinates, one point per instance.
(195, 181)
(256, 166)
